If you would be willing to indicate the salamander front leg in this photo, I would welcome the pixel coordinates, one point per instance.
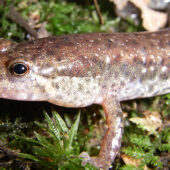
(112, 140)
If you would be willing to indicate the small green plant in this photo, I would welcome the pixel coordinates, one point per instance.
(58, 148)
(166, 110)
(142, 148)
(149, 149)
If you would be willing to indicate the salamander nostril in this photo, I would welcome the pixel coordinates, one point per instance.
(19, 69)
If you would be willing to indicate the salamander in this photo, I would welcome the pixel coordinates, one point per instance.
(83, 69)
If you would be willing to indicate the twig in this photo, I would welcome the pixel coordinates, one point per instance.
(98, 12)
(16, 17)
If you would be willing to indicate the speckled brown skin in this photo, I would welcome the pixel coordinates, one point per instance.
(6, 44)
(79, 70)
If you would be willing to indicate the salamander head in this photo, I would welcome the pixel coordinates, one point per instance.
(30, 72)
(17, 80)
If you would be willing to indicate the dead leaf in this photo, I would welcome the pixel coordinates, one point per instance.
(132, 161)
(120, 4)
(42, 32)
(151, 122)
(152, 20)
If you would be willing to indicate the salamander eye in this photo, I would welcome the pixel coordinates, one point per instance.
(18, 69)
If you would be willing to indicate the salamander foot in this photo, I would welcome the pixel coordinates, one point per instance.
(95, 161)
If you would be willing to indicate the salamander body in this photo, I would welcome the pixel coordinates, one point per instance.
(83, 69)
